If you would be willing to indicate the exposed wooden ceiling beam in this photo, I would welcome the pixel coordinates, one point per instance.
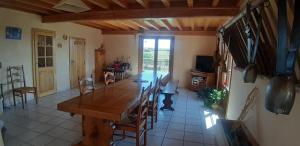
(142, 13)
(178, 24)
(140, 24)
(199, 33)
(115, 24)
(90, 24)
(192, 23)
(52, 2)
(206, 24)
(121, 3)
(166, 3)
(166, 24)
(39, 4)
(215, 3)
(144, 3)
(152, 24)
(128, 24)
(22, 7)
(100, 3)
(106, 25)
(190, 3)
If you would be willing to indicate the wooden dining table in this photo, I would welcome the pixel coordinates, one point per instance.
(107, 105)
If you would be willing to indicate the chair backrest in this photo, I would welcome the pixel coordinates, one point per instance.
(156, 90)
(86, 85)
(109, 77)
(165, 80)
(143, 106)
(17, 76)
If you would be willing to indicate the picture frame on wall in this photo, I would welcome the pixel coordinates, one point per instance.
(13, 33)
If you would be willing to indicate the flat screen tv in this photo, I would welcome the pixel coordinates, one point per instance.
(205, 63)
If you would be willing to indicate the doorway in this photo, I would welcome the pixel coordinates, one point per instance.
(156, 53)
(77, 60)
(44, 61)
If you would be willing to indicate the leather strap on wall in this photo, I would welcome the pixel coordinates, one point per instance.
(282, 38)
(295, 40)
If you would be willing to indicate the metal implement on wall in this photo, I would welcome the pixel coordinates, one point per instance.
(250, 72)
(280, 92)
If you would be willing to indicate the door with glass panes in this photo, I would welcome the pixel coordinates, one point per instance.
(157, 53)
(44, 62)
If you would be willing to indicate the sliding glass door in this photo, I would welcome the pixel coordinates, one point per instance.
(156, 54)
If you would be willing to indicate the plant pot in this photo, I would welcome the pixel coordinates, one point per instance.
(215, 106)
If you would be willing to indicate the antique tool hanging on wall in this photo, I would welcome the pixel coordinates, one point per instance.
(250, 72)
(221, 54)
(280, 92)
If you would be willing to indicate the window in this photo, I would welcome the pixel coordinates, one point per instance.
(156, 54)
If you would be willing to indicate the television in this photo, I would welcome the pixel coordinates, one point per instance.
(205, 64)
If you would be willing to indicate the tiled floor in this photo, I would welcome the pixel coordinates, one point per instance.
(43, 125)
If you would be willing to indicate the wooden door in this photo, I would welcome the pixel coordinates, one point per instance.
(99, 65)
(77, 60)
(44, 61)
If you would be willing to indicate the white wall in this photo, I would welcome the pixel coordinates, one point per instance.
(17, 52)
(268, 128)
(185, 51)
(117, 46)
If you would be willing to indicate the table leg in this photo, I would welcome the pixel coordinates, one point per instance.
(97, 132)
(167, 103)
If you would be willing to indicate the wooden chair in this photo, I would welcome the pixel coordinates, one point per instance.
(153, 104)
(18, 82)
(165, 80)
(109, 78)
(137, 122)
(86, 86)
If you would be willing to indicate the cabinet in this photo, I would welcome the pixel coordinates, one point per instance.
(200, 80)
(99, 65)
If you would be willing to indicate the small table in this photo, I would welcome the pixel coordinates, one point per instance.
(169, 90)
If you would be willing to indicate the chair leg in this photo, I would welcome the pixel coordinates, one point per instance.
(123, 134)
(22, 97)
(145, 135)
(152, 120)
(14, 98)
(156, 115)
(25, 97)
(35, 96)
(137, 139)
(82, 124)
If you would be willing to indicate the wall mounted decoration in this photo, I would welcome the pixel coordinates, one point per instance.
(13, 33)
(65, 37)
(59, 45)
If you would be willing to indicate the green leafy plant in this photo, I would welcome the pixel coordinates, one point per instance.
(214, 98)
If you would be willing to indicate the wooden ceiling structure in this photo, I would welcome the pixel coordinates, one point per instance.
(196, 17)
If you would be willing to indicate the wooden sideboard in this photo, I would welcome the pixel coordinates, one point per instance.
(201, 80)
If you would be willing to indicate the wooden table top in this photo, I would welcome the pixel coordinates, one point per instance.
(111, 102)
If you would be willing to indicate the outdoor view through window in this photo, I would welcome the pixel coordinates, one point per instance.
(156, 54)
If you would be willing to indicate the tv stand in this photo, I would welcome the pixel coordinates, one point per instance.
(201, 80)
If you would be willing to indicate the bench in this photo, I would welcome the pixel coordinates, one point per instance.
(169, 90)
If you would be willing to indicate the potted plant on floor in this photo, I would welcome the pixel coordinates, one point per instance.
(214, 99)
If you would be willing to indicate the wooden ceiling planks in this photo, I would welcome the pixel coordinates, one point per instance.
(100, 3)
(165, 15)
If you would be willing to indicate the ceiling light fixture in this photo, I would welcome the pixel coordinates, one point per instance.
(75, 6)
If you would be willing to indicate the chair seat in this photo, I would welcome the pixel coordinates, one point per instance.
(128, 123)
(25, 89)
